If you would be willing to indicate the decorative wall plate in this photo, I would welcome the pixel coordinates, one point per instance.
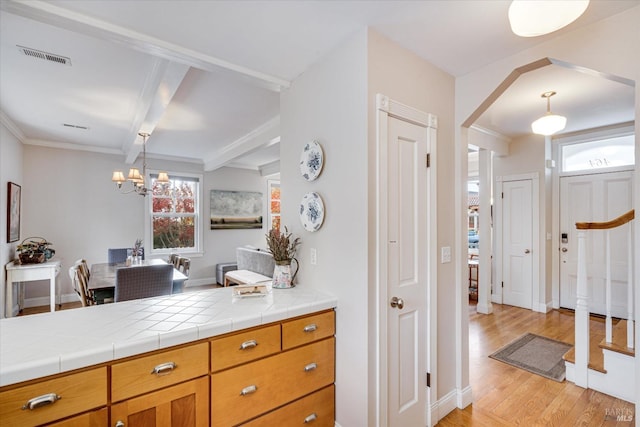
(311, 212)
(311, 160)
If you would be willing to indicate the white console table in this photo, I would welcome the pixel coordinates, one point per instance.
(27, 273)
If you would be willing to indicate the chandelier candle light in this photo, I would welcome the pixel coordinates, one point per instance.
(549, 123)
(135, 177)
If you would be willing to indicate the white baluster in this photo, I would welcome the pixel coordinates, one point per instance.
(630, 321)
(608, 326)
(582, 316)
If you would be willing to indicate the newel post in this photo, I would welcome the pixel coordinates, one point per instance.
(582, 316)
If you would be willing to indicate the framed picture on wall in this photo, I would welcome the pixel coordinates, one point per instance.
(235, 209)
(13, 212)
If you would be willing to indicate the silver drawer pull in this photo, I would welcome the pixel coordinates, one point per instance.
(310, 328)
(311, 367)
(248, 344)
(164, 368)
(248, 390)
(310, 418)
(44, 400)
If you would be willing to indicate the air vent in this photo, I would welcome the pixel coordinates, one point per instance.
(68, 125)
(34, 53)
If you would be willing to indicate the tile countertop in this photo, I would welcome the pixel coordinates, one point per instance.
(38, 345)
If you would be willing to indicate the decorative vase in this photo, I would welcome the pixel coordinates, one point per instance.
(282, 277)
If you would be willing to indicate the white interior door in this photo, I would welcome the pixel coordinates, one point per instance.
(517, 239)
(595, 198)
(407, 273)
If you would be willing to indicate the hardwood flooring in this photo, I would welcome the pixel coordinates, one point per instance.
(507, 396)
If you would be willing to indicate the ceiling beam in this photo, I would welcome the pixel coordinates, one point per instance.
(84, 24)
(158, 90)
(261, 137)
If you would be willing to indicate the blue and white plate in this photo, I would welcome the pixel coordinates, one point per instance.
(311, 160)
(311, 212)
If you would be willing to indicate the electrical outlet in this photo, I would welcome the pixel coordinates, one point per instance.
(314, 256)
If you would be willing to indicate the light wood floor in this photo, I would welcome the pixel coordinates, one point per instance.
(508, 396)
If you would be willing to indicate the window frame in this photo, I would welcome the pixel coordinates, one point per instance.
(270, 215)
(198, 212)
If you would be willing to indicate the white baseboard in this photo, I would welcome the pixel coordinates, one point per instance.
(454, 399)
(543, 308)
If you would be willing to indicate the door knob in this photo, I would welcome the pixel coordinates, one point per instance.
(564, 249)
(526, 251)
(397, 302)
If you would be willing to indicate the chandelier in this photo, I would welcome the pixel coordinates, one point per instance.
(135, 177)
(549, 123)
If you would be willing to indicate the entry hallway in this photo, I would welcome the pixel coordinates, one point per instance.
(508, 396)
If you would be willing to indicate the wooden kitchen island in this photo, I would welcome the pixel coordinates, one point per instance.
(201, 358)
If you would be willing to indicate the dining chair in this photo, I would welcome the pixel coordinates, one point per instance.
(183, 265)
(84, 268)
(80, 285)
(174, 259)
(143, 282)
(119, 255)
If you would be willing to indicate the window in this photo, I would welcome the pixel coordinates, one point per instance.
(598, 154)
(175, 220)
(274, 205)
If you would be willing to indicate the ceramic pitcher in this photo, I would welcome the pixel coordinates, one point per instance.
(282, 277)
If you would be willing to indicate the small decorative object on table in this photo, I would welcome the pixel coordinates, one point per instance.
(136, 252)
(283, 249)
(35, 250)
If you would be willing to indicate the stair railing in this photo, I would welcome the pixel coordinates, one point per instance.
(582, 293)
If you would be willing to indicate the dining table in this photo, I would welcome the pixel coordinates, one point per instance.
(103, 277)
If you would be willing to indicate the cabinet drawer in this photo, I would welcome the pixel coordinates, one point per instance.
(244, 347)
(244, 392)
(71, 394)
(308, 329)
(185, 404)
(317, 409)
(148, 373)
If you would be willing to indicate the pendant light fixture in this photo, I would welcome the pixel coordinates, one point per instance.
(135, 177)
(531, 18)
(549, 123)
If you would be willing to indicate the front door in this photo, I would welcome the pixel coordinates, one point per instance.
(517, 239)
(595, 198)
(407, 195)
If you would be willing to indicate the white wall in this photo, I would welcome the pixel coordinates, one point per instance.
(69, 199)
(328, 104)
(10, 170)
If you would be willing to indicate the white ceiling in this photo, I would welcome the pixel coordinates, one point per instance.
(204, 76)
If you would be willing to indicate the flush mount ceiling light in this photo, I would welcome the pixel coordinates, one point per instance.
(549, 123)
(531, 18)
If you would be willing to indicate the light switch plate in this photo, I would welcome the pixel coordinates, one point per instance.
(313, 256)
(445, 254)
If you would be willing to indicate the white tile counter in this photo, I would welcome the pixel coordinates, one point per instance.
(49, 343)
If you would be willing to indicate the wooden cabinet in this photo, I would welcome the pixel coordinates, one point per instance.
(54, 399)
(253, 386)
(99, 418)
(281, 374)
(146, 373)
(182, 405)
(316, 410)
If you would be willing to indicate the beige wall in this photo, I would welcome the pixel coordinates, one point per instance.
(610, 46)
(408, 79)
